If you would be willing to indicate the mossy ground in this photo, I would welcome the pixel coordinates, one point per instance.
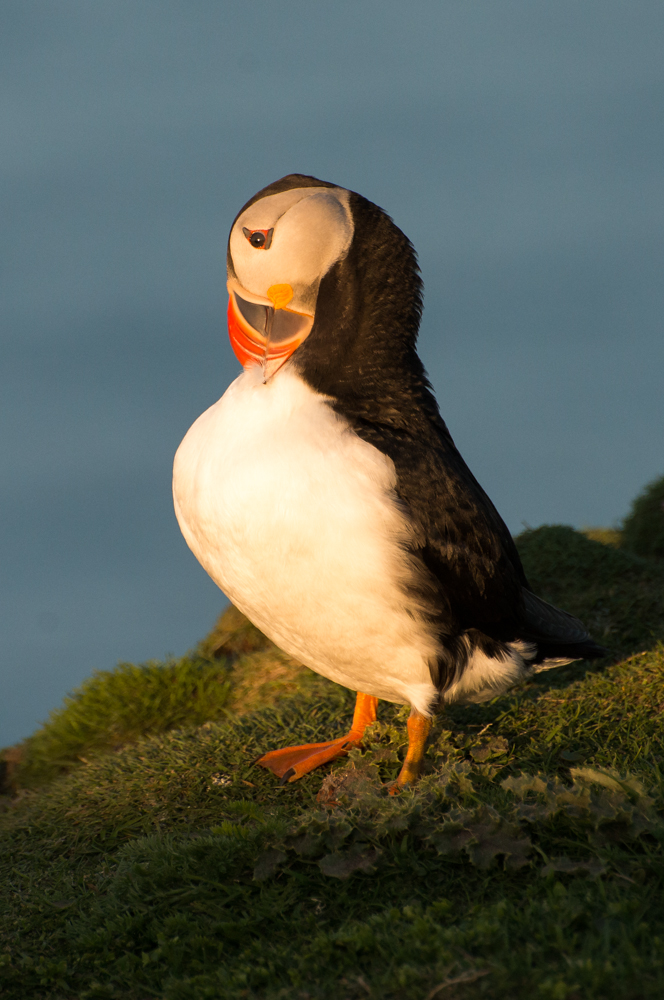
(173, 867)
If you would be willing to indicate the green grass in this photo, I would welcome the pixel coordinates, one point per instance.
(615, 592)
(234, 669)
(643, 528)
(642, 531)
(172, 867)
(119, 706)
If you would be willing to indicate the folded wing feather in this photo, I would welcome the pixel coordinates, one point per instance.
(543, 621)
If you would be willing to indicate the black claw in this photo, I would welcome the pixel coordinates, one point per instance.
(289, 773)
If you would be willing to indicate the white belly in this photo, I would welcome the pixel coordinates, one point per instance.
(294, 517)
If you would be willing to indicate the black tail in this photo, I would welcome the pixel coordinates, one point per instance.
(557, 634)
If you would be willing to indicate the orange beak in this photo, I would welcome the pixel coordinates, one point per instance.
(266, 335)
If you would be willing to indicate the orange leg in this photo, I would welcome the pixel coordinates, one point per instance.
(418, 730)
(291, 763)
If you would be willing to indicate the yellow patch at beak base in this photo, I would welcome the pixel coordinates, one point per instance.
(280, 295)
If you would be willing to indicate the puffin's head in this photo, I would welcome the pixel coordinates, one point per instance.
(283, 242)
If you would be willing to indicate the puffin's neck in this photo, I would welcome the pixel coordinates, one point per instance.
(361, 351)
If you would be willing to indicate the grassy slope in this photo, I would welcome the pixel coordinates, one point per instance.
(173, 868)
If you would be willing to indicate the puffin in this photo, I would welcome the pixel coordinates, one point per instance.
(324, 494)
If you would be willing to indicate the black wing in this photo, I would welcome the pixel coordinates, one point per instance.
(459, 536)
(463, 544)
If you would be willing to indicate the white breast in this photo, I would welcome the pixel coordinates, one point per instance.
(294, 517)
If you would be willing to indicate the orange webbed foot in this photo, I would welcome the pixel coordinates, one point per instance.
(292, 763)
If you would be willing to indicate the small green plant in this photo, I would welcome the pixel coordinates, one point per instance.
(643, 528)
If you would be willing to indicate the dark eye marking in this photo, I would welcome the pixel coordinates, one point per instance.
(260, 239)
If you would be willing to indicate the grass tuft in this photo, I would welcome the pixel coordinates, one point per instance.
(234, 669)
(115, 707)
(643, 528)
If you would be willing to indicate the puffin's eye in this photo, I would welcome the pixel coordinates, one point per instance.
(260, 239)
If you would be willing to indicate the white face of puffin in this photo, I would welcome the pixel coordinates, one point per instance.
(281, 247)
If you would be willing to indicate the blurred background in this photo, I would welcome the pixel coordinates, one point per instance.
(520, 147)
